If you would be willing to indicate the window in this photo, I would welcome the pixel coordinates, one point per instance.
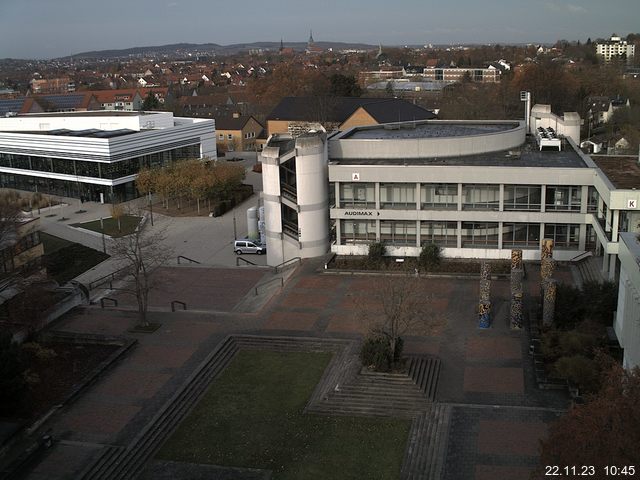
(592, 200)
(398, 232)
(479, 235)
(522, 235)
(563, 235)
(290, 221)
(61, 165)
(522, 197)
(563, 198)
(357, 195)
(357, 231)
(398, 196)
(443, 234)
(230, 136)
(480, 197)
(221, 136)
(439, 196)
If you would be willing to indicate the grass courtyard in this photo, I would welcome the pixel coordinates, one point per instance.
(66, 260)
(251, 416)
(127, 226)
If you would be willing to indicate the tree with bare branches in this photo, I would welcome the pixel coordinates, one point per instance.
(405, 307)
(142, 252)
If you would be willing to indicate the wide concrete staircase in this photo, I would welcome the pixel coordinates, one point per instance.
(425, 453)
(382, 394)
(342, 390)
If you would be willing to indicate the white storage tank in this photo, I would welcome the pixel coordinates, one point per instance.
(252, 223)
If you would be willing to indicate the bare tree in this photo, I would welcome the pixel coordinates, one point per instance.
(10, 218)
(406, 306)
(142, 252)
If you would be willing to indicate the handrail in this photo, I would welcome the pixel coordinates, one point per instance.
(238, 259)
(582, 256)
(115, 302)
(110, 277)
(286, 263)
(268, 282)
(174, 302)
(187, 258)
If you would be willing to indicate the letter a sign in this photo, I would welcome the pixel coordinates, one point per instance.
(632, 204)
(355, 177)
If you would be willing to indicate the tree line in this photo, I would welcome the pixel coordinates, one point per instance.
(190, 180)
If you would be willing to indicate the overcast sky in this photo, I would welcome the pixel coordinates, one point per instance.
(54, 28)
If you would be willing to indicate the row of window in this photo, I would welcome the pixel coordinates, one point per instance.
(444, 196)
(247, 136)
(110, 171)
(473, 234)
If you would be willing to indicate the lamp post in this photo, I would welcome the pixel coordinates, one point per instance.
(104, 244)
(151, 208)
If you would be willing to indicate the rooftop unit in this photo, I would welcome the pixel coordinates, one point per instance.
(547, 137)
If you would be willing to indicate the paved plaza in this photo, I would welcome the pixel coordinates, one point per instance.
(498, 413)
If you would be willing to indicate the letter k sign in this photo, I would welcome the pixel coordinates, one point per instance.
(632, 204)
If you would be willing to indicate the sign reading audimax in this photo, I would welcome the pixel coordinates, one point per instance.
(361, 213)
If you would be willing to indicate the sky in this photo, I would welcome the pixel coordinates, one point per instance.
(41, 29)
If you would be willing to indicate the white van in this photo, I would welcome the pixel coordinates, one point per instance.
(248, 246)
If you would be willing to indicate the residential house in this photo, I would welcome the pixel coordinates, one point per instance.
(238, 132)
(127, 100)
(297, 115)
(52, 85)
(71, 102)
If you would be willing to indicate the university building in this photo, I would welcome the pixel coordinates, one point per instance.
(476, 188)
(95, 155)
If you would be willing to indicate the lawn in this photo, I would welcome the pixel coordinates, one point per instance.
(251, 416)
(128, 224)
(66, 260)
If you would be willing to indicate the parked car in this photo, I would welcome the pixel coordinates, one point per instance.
(248, 246)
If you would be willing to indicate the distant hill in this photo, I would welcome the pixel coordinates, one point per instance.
(214, 48)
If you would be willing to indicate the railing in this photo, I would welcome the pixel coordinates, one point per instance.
(278, 279)
(291, 261)
(107, 278)
(582, 256)
(178, 302)
(240, 259)
(114, 304)
(190, 260)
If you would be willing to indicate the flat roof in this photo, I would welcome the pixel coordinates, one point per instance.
(527, 155)
(428, 129)
(88, 133)
(90, 113)
(623, 172)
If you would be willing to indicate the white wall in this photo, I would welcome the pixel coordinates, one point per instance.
(627, 319)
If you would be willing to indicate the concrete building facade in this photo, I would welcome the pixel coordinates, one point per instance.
(476, 189)
(615, 47)
(627, 315)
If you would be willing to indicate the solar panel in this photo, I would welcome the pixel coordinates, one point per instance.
(64, 101)
(10, 105)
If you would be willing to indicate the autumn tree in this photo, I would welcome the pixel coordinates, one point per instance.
(141, 253)
(117, 212)
(604, 431)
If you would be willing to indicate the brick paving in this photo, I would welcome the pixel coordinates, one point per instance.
(493, 380)
(486, 375)
(284, 320)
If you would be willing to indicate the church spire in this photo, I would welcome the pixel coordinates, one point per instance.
(310, 42)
